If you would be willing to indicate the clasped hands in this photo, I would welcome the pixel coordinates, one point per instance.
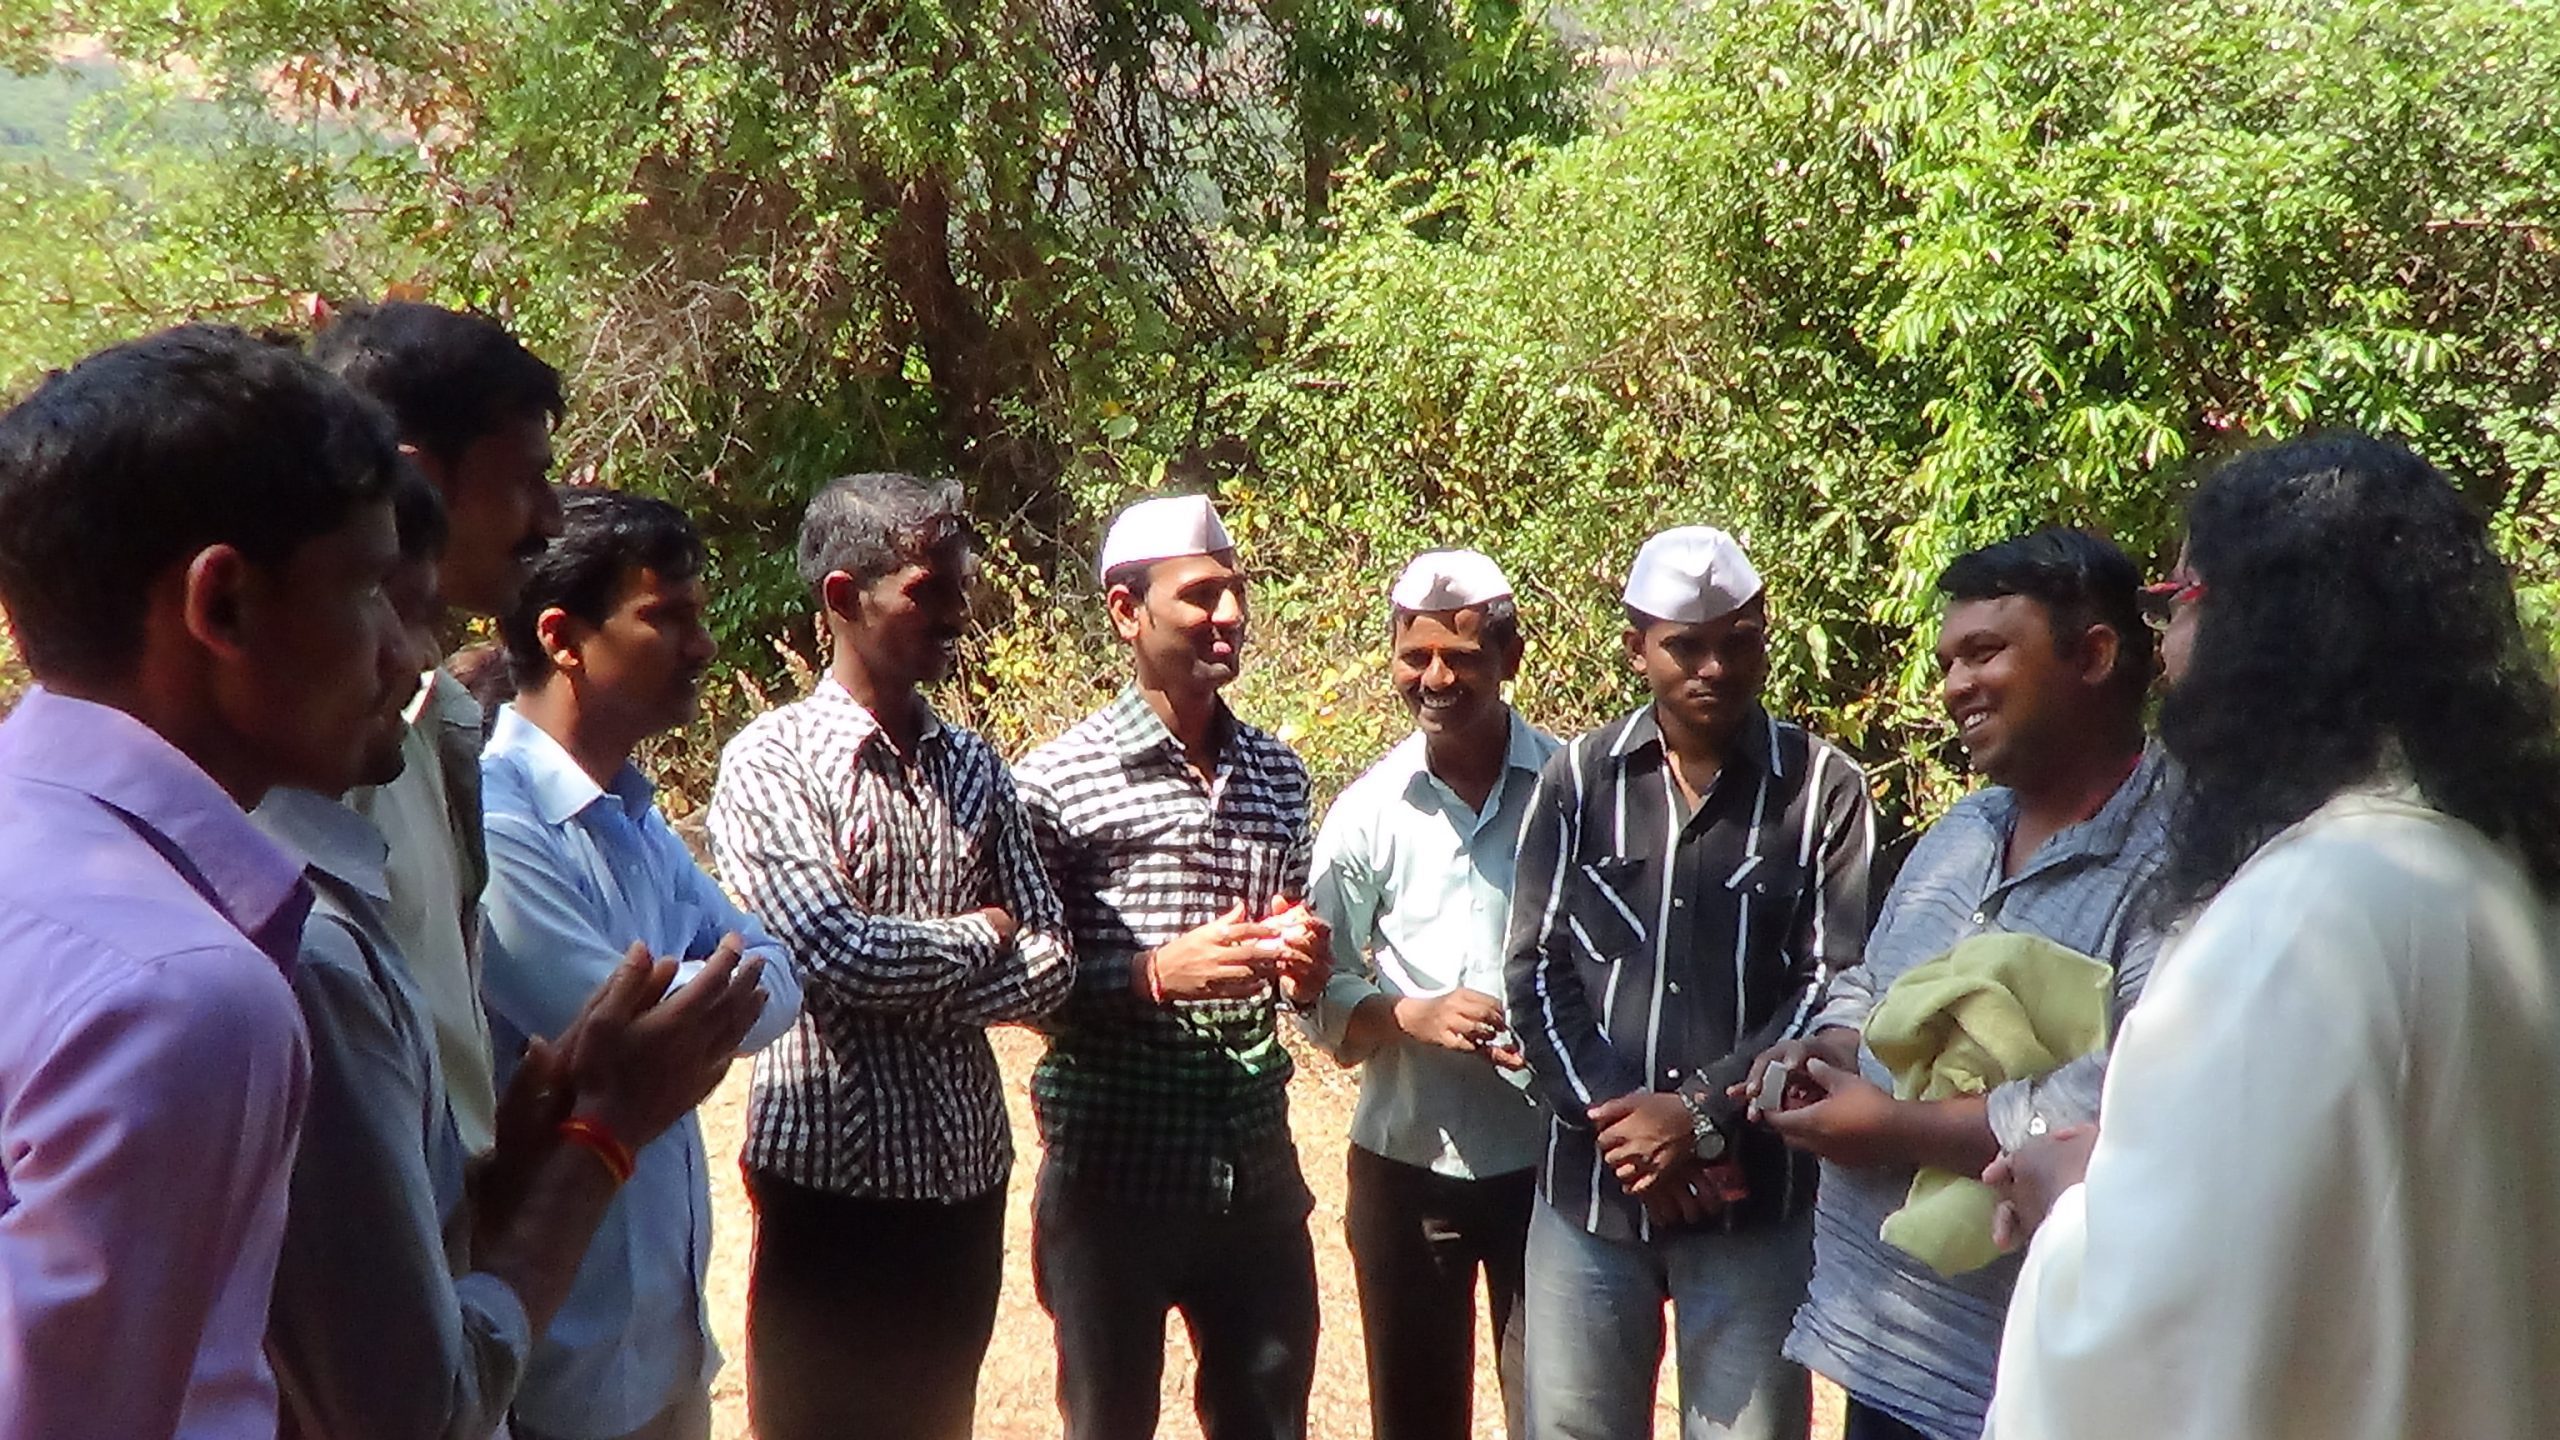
(1236, 956)
(1648, 1139)
(641, 1053)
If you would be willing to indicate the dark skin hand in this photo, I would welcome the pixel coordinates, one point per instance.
(2034, 1176)
(1856, 1122)
(1694, 1193)
(1302, 960)
(1465, 1021)
(1225, 959)
(635, 1060)
(1645, 1137)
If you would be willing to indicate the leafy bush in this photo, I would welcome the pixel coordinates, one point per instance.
(1870, 285)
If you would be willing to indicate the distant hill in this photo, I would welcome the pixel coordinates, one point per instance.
(37, 111)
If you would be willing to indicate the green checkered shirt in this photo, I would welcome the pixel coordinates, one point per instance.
(1183, 1106)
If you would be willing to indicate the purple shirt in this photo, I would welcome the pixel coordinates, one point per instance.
(152, 1072)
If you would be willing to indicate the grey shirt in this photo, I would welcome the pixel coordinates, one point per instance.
(1894, 1333)
(379, 1328)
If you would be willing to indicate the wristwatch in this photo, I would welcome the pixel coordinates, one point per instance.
(1705, 1136)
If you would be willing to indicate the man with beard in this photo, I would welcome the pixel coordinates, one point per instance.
(1413, 875)
(608, 647)
(2044, 662)
(1688, 877)
(889, 852)
(407, 1296)
(2321, 1203)
(195, 537)
(474, 411)
(1178, 839)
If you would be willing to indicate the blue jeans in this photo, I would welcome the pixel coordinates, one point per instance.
(1595, 1331)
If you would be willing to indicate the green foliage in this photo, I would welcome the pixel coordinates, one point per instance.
(1870, 285)
(1868, 281)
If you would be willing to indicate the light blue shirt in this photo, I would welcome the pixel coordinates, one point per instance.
(1898, 1336)
(577, 872)
(1416, 886)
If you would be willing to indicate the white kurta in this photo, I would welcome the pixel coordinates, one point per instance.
(2325, 1202)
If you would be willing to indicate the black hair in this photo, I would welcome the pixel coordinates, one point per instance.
(876, 523)
(147, 452)
(2081, 579)
(1500, 625)
(1137, 575)
(1643, 622)
(606, 537)
(417, 511)
(2354, 616)
(448, 377)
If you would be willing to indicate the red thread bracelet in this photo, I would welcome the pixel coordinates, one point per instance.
(591, 1136)
(1155, 980)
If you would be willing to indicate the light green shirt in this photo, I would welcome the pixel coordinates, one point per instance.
(431, 817)
(1417, 888)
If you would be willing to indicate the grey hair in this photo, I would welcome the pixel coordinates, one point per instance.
(870, 525)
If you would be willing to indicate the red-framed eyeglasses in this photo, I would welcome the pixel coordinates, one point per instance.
(2160, 602)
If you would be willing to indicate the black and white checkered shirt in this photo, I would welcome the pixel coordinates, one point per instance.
(869, 868)
(1182, 1106)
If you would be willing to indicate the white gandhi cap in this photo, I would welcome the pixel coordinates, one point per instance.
(1164, 529)
(1691, 575)
(1448, 580)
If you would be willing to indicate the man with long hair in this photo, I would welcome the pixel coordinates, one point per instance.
(2324, 1199)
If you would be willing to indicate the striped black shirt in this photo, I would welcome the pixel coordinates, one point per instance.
(1182, 1106)
(869, 868)
(1653, 949)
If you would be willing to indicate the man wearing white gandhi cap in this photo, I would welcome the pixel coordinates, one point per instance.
(1178, 839)
(1689, 874)
(1413, 874)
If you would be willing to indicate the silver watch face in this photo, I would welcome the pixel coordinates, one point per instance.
(1710, 1141)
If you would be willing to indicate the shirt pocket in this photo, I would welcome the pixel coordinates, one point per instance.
(1601, 913)
(1774, 891)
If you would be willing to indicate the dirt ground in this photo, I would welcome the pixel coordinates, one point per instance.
(1016, 1399)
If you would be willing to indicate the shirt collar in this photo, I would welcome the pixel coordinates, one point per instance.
(831, 695)
(560, 787)
(102, 752)
(1756, 742)
(331, 838)
(1140, 732)
(2103, 834)
(1412, 756)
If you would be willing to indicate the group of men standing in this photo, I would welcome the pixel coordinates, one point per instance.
(352, 1025)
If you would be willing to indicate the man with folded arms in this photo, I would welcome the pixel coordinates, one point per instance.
(887, 848)
(1413, 875)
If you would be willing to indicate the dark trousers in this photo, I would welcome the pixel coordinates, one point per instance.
(866, 1319)
(1107, 1272)
(1866, 1422)
(1417, 1242)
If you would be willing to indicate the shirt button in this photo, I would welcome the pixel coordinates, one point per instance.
(1677, 902)
(1672, 1073)
(1673, 987)
(1981, 917)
